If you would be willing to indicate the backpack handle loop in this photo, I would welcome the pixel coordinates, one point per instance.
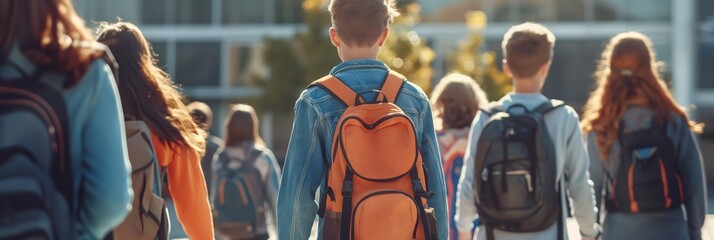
(517, 105)
(359, 99)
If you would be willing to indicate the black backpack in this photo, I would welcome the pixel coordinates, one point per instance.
(515, 171)
(36, 193)
(646, 180)
(239, 200)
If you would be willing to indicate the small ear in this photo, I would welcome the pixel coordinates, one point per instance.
(334, 38)
(383, 37)
(507, 69)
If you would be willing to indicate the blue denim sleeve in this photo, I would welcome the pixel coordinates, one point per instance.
(106, 169)
(273, 184)
(437, 183)
(302, 174)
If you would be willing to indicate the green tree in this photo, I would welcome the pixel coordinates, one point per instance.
(469, 59)
(294, 63)
(405, 51)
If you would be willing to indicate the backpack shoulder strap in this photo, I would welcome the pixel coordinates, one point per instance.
(492, 108)
(253, 156)
(392, 86)
(335, 87)
(548, 106)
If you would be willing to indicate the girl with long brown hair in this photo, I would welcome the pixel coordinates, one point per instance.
(244, 151)
(47, 44)
(641, 148)
(148, 94)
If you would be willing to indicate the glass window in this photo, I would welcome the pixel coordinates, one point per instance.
(241, 59)
(633, 10)
(706, 57)
(244, 11)
(706, 10)
(198, 63)
(153, 12)
(192, 11)
(574, 62)
(288, 11)
(504, 10)
(160, 49)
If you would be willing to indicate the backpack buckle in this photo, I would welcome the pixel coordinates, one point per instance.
(347, 188)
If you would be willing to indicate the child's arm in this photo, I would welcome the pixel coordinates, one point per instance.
(302, 174)
(690, 170)
(465, 204)
(576, 172)
(596, 168)
(437, 183)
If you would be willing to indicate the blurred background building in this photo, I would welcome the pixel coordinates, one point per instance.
(227, 51)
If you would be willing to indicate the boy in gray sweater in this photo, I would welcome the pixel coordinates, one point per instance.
(528, 51)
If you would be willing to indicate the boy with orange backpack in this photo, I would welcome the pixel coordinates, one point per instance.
(365, 137)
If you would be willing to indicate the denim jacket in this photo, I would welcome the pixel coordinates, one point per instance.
(316, 116)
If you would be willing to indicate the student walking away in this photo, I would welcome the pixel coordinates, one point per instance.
(149, 95)
(524, 152)
(644, 158)
(203, 116)
(455, 100)
(64, 172)
(365, 138)
(245, 180)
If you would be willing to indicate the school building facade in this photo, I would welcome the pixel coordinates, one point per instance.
(212, 46)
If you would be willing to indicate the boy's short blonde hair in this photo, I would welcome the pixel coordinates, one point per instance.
(526, 48)
(360, 23)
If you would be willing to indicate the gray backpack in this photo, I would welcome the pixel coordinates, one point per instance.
(36, 192)
(515, 171)
(147, 219)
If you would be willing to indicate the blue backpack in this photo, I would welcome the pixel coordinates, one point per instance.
(36, 193)
(239, 197)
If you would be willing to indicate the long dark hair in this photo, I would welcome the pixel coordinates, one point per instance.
(50, 34)
(147, 92)
(242, 126)
(628, 71)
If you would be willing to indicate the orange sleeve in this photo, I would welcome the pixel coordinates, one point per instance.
(188, 190)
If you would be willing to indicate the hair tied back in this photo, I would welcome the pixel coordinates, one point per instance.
(626, 72)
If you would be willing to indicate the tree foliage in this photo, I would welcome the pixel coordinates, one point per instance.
(405, 51)
(295, 62)
(469, 59)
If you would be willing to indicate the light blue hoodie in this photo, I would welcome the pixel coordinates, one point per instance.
(100, 163)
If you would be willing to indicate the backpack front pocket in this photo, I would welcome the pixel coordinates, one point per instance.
(386, 214)
(511, 189)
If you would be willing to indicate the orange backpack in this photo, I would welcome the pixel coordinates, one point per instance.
(376, 186)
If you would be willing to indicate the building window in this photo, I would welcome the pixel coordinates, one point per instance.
(288, 11)
(198, 64)
(706, 57)
(245, 65)
(633, 10)
(154, 11)
(176, 11)
(244, 11)
(160, 49)
(192, 11)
